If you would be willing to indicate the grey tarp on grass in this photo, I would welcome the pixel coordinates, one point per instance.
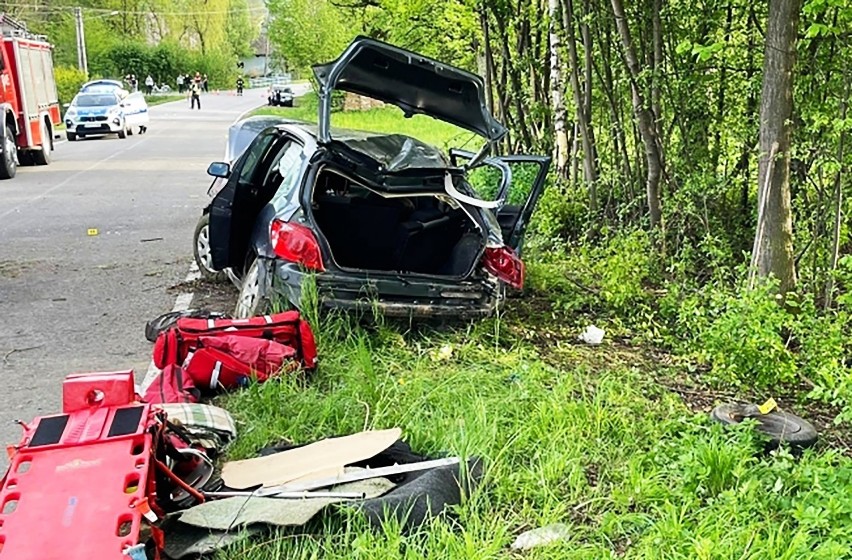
(233, 513)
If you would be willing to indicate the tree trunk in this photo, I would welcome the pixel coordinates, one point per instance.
(775, 252)
(838, 193)
(556, 96)
(590, 171)
(644, 119)
(489, 61)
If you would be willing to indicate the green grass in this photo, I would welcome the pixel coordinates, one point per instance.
(587, 436)
(387, 119)
(581, 436)
(160, 99)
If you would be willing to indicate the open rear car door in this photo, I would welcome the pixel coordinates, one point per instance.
(517, 194)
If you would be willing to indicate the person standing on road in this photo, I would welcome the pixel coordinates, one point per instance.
(180, 83)
(149, 84)
(204, 83)
(195, 94)
(240, 84)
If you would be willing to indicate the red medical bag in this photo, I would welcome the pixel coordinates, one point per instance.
(286, 328)
(229, 362)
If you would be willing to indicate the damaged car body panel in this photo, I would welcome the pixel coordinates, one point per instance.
(377, 222)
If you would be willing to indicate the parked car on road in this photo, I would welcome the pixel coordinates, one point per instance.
(105, 112)
(105, 86)
(280, 96)
(380, 221)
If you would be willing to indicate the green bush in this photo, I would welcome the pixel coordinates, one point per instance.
(68, 82)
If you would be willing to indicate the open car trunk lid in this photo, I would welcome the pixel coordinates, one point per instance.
(414, 83)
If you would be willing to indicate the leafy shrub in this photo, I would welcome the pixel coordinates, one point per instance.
(743, 334)
(68, 82)
(165, 61)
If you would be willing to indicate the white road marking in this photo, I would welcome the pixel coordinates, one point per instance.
(182, 303)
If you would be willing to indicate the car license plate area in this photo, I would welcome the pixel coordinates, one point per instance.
(92, 125)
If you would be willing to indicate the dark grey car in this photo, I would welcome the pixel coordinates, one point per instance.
(380, 221)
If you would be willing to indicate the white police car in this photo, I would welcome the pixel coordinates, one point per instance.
(98, 112)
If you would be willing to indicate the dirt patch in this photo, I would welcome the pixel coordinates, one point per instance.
(14, 269)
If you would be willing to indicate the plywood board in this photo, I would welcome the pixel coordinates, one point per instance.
(316, 458)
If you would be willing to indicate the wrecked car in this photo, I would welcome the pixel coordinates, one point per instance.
(380, 222)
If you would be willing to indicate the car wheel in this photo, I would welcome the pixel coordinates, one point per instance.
(201, 250)
(8, 163)
(130, 131)
(70, 136)
(252, 299)
(122, 133)
(780, 426)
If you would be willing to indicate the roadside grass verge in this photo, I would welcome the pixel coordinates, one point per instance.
(386, 119)
(602, 448)
(160, 99)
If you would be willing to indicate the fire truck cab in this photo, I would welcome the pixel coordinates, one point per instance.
(28, 98)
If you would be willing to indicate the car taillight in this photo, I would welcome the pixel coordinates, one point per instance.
(503, 263)
(295, 243)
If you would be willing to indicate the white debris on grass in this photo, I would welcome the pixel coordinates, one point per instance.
(543, 535)
(592, 335)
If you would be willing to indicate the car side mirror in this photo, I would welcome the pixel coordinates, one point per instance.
(219, 169)
(122, 105)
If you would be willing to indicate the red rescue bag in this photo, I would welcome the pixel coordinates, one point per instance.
(287, 328)
(172, 385)
(229, 362)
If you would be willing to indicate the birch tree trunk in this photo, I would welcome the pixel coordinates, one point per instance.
(644, 118)
(775, 251)
(556, 88)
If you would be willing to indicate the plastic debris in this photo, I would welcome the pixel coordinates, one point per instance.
(543, 535)
(592, 335)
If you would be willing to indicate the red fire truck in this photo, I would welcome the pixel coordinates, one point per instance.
(28, 98)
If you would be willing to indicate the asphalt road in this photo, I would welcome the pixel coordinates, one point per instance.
(74, 302)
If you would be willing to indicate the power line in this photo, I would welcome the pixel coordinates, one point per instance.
(70, 9)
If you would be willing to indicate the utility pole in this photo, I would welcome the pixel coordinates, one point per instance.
(266, 54)
(82, 61)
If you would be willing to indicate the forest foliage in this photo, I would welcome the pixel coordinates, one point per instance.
(620, 91)
(157, 37)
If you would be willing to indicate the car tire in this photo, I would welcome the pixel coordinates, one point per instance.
(778, 425)
(129, 131)
(42, 157)
(252, 299)
(8, 161)
(201, 251)
(122, 134)
(70, 136)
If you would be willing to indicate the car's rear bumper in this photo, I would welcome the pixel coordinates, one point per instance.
(392, 296)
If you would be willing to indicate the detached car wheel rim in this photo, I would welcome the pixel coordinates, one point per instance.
(249, 293)
(202, 244)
